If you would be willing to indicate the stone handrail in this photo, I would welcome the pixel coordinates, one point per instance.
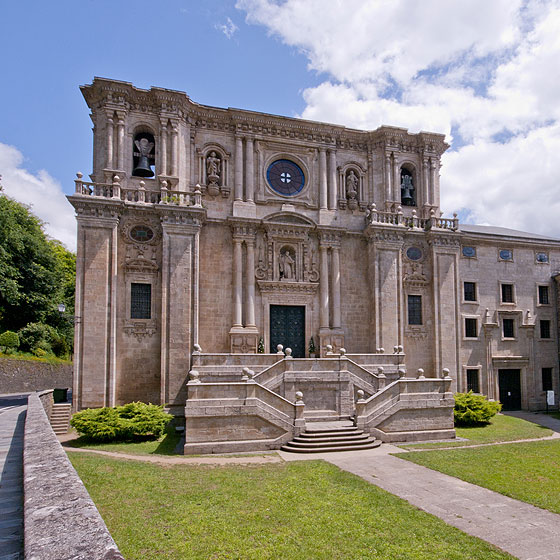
(398, 218)
(206, 359)
(271, 376)
(61, 521)
(371, 381)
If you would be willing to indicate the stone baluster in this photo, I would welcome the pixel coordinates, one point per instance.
(323, 202)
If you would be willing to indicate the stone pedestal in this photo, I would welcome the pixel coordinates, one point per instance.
(334, 337)
(243, 340)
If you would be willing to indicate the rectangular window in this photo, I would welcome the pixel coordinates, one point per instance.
(545, 328)
(469, 290)
(140, 301)
(507, 293)
(547, 379)
(543, 295)
(471, 330)
(472, 381)
(414, 310)
(508, 331)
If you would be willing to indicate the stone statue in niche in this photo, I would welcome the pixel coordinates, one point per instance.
(213, 170)
(287, 265)
(352, 190)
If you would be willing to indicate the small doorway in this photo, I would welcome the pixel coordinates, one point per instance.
(287, 327)
(510, 388)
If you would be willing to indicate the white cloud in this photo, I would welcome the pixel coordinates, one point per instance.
(228, 28)
(41, 192)
(487, 71)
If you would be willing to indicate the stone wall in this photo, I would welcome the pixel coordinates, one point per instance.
(61, 521)
(25, 375)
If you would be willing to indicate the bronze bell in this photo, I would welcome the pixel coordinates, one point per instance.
(143, 168)
(406, 191)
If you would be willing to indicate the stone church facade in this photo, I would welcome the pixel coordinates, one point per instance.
(208, 237)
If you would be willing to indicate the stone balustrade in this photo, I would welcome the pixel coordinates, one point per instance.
(138, 193)
(397, 218)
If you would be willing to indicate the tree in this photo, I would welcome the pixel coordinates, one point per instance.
(35, 273)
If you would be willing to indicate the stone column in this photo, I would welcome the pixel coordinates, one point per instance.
(174, 134)
(323, 202)
(388, 175)
(332, 179)
(110, 125)
(324, 288)
(249, 170)
(396, 181)
(120, 140)
(426, 180)
(433, 180)
(237, 283)
(238, 188)
(336, 322)
(250, 279)
(163, 149)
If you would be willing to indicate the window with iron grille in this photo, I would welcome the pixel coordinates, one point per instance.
(508, 328)
(507, 293)
(140, 301)
(545, 328)
(543, 295)
(472, 381)
(471, 330)
(414, 310)
(546, 379)
(469, 290)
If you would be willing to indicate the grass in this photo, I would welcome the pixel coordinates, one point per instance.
(501, 428)
(299, 510)
(165, 445)
(49, 358)
(526, 471)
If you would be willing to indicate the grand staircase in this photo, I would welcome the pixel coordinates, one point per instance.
(326, 437)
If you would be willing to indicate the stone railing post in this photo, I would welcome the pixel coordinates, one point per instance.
(117, 187)
(279, 352)
(360, 406)
(299, 420)
(197, 197)
(78, 182)
(421, 374)
(251, 385)
(192, 385)
(447, 381)
(163, 199)
(382, 379)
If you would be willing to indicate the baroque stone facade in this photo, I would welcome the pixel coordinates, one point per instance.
(205, 233)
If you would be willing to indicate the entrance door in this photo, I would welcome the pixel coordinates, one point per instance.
(287, 327)
(510, 388)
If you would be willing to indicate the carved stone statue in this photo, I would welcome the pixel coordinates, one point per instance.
(287, 266)
(213, 170)
(352, 190)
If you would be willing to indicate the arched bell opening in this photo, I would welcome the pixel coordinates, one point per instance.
(144, 155)
(408, 186)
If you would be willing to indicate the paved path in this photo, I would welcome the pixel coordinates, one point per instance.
(12, 420)
(523, 530)
(537, 418)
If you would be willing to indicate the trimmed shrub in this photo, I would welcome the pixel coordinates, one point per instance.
(9, 340)
(131, 421)
(474, 410)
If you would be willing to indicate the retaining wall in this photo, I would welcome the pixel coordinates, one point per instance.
(61, 521)
(26, 375)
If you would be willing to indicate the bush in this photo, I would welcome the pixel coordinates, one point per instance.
(35, 335)
(128, 422)
(474, 410)
(9, 340)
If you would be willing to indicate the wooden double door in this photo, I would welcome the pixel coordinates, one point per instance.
(287, 327)
(509, 381)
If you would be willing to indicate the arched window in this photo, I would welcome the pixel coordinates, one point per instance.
(143, 155)
(408, 188)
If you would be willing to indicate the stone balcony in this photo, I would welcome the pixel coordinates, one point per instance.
(398, 218)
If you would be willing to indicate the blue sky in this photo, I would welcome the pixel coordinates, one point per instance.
(484, 73)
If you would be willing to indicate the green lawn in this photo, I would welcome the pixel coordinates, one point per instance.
(501, 428)
(162, 446)
(303, 510)
(526, 471)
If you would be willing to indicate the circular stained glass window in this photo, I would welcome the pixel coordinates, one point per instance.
(285, 177)
(414, 253)
(542, 257)
(506, 255)
(142, 234)
(469, 252)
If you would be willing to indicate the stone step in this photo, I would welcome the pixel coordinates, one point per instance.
(371, 445)
(336, 437)
(331, 442)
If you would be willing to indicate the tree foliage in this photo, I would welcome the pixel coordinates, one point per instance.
(36, 273)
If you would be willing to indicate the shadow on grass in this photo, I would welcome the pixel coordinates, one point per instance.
(142, 445)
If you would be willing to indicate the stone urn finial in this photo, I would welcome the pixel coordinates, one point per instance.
(299, 397)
